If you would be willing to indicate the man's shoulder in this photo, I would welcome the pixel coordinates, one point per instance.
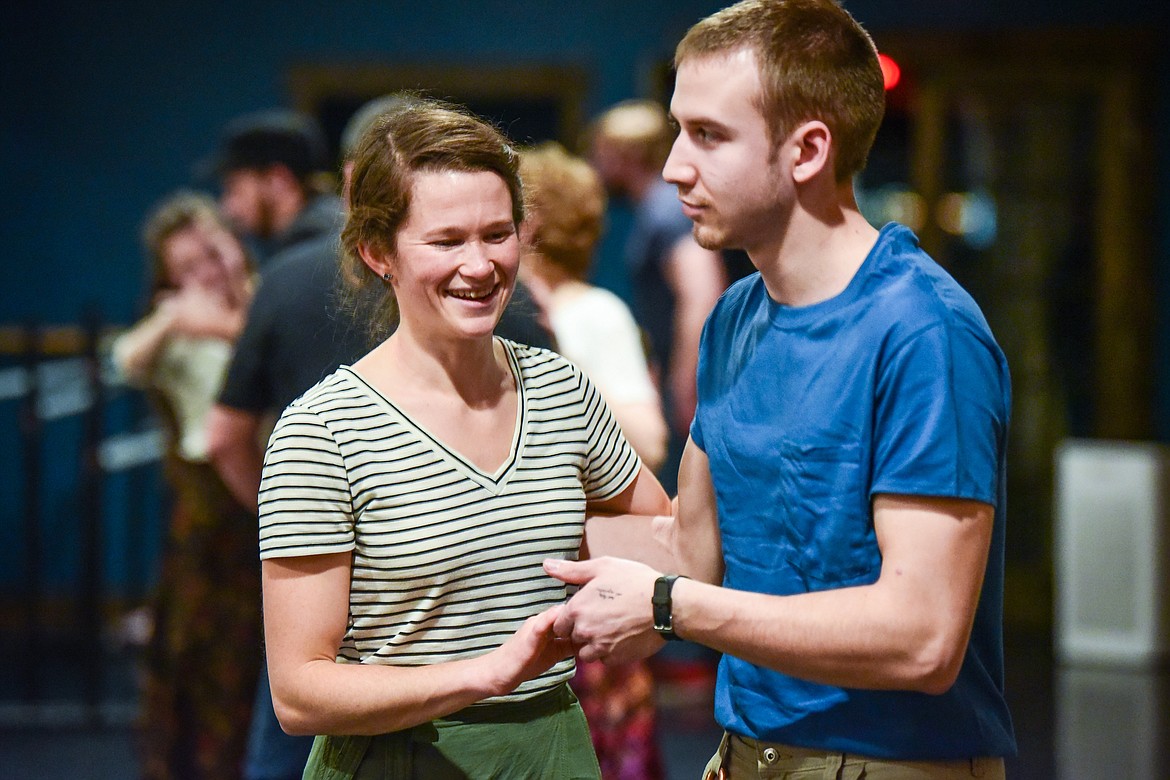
(914, 291)
(739, 295)
(321, 250)
(323, 215)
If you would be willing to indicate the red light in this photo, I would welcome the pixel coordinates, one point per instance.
(891, 73)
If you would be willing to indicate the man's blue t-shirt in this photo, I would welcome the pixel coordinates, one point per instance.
(894, 386)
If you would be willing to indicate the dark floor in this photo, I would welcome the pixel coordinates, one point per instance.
(1072, 724)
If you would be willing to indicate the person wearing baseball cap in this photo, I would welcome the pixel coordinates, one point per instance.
(273, 169)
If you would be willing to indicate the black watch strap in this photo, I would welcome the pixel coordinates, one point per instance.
(663, 607)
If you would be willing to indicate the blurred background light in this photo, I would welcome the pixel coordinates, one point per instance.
(891, 72)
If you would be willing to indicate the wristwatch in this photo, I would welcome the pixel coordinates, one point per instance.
(661, 603)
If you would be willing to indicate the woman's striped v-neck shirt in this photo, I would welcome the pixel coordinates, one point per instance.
(446, 558)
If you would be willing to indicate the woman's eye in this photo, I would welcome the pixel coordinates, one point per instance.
(500, 237)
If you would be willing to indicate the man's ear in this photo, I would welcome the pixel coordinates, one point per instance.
(812, 145)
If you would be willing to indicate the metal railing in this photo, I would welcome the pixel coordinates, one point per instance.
(52, 377)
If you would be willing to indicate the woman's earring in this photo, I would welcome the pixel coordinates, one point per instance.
(387, 276)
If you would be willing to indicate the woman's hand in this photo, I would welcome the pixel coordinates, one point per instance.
(529, 652)
(199, 312)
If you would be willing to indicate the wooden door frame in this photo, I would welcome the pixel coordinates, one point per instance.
(1114, 66)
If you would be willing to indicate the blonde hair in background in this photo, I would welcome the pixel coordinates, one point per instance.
(638, 129)
(566, 202)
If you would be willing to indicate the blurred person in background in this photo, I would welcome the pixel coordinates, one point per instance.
(204, 652)
(408, 499)
(674, 281)
(270, 164)
(594, 328)
(273, 168)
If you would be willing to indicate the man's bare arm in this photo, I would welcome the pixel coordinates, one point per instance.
(234, 449)
(906, 631)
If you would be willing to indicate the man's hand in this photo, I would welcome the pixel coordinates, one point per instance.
(610, 617)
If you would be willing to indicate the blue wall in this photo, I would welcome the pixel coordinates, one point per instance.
(107, 105)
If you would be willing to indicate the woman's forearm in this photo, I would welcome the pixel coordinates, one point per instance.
(135, 351)
(645, 538)
(305, 615)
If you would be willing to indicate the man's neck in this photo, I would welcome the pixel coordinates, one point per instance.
(816, 259)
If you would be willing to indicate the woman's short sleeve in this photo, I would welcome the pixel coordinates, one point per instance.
(305, 498)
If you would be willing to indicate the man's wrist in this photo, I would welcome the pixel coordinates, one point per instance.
(662, 606)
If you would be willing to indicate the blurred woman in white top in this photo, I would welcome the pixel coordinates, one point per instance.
(593, 327)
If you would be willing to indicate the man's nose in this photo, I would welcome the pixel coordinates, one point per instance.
(678, 170)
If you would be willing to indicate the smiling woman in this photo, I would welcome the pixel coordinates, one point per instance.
(455, 262)
(409, 500)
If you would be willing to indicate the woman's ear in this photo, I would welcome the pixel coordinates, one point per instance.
(375, 259)
(812, 145)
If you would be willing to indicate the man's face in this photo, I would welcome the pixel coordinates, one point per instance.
(246, 202)
(723, 162)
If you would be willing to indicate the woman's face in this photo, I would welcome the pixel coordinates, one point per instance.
(456, 255)
(192, 259)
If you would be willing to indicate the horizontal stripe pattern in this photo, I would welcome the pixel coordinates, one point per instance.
(446, 558)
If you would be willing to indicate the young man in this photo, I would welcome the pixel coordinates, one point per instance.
(845, 476)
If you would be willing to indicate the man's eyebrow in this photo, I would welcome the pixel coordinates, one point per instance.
(701, 120)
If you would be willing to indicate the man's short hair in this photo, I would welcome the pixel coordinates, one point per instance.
(262, 139)
(815, 62)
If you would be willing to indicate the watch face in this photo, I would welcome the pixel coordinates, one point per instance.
(661, 603)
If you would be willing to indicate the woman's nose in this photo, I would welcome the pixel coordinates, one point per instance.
(478, 260)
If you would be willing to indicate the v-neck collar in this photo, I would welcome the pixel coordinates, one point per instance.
(493, 482)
